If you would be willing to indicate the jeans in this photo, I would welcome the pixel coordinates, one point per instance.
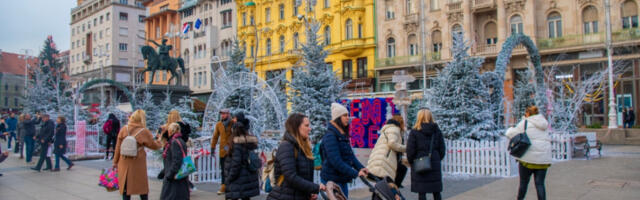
(12, 136)
(423, 196)
(43, 156)
(28, 141)
(222, 169)
(343, 186)
(111, 143)
(627, 124)
(525, 176)
(64, 158)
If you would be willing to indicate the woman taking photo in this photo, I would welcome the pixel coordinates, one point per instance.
(60, 144)
(174, 152)
(241, 182)
(339, 163)
(294, 163)
(383, 160)
(132, 171)
(426, 139)
(537, 158)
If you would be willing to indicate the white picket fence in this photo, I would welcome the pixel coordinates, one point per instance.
(92, 144)
(487, 158)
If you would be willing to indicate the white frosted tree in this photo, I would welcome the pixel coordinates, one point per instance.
(523, 94)
(459, 97)
(153, 111)
(314, 85)
(187, 114)
(241, 97)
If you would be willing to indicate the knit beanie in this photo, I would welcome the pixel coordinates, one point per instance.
(337, 110)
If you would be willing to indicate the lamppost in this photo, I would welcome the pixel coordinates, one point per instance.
(76, 97)
(612, 102)
(27, 57)
(99, 54)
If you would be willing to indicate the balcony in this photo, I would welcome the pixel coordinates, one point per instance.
(571, 41)
(626, 35)
(483, 4)
(454, 6)
(411, 18)
(487, 49)
(352, 47)
(363, 80)
(405, 61)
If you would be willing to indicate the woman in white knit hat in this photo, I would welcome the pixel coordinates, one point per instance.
(339, 163)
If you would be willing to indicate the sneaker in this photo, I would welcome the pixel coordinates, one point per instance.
(36, 169)
(70, 166)
(221, 191)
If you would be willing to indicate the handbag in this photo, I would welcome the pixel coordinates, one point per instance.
(187, 166)
(423, 163)
(519, 144)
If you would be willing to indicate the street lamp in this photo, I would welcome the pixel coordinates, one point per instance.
(100, 55)
(612, 102)
(27, 56)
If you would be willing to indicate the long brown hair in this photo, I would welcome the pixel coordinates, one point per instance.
(424, 116)
(292, 126)
(398, 118)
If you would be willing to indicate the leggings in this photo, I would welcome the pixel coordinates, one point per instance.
(423, 196)
(538, 178)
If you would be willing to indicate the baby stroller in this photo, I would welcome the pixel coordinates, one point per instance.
(333, 192)
(383, 189)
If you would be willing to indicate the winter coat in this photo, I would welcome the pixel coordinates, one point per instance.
(133, 171)
(631, 116)
(418, 145)
(30, 127)
(46, 132)
(383, 160)
(240, 181)
(20, 132)
(339, 163)
(540, 150)
(60, 139)
(173, 189)
(12, 123)
(297, 170)
(221, 134)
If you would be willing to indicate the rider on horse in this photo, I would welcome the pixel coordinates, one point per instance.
(163, 52)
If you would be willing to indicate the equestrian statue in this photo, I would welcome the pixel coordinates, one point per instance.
(162, 61)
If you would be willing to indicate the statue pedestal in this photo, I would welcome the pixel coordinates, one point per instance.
(158, 92)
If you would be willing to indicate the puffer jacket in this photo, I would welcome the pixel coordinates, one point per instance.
(339, 163)
(240, 181)
(383, 160)
(540, 150)
(418, 145)
(297, 171)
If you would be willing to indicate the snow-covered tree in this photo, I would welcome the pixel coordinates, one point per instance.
(241, 98)
(459, 97)
(314, 86)
(278, 84)
(186, 113)
(153, 111)
(495, 100)
(523, 94)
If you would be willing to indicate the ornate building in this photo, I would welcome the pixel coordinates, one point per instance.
(163, 22)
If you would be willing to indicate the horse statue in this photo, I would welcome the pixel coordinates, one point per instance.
(162, 61)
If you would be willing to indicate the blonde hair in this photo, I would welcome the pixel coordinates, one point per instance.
(424, 116)
(173, 128)
(173, 117)
(139, 117)
(21, 117)
(532, 110)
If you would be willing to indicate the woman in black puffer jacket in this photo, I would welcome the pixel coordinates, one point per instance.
(418, 145)
(240, 181)
(294, 162)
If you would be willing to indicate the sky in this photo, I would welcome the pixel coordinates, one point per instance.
(25, 24)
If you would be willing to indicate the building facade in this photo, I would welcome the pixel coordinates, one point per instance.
(272, 32)
(163, 22)
(207, 46)
(569, 34)
(105, 43)
(12, 76)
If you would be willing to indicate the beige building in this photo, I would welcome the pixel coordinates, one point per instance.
(106, 36)
(569, 34)
(209, 45)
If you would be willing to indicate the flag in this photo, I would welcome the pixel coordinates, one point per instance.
(198, 23)
(185, 28)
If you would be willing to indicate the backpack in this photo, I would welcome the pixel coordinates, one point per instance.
(269, 175)
(254, 163)
(317, 155)
(129, 146)
(107, 127)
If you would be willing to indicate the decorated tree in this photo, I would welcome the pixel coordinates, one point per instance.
(460, 98)
(186, 113)
(241, 99)
(153, 111)
(314, 85)
(523, 94)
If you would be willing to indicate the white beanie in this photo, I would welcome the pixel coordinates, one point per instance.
(337, 110)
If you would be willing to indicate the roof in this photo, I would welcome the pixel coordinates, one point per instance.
(12, 63)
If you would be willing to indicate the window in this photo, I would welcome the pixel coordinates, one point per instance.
(359, 30)
(108, 16)
(95, 21)
(251, 20)
(391, 47)
(6, 101)
(282, 44)
(6, 87)
(281, 11)
(122, 61)
(346, 69)
(124, 31)
(89, 25)
(226, 18)
(122, 46)
(327, 35)
(16, 87)
(326, 4)
(267, 15)
(516, 25)
(141, 18)
(349, 29)
(73, 45)
(436, 41)
(362, 67)
(252, 52)
(456, 30)
(409, 7)
(629, 14)
(187, 12)
(390, 14)
(106, 47)
(164, 75)
(435, 4)
(100, 34)
(101, 19)
(295, 8)
(590, 20)
(124, 2)
(244, 18)
(413, 45)
(295, 40)
(15, 101)
(124, 16)
(268, 47)
(554, 20)
(490, 33)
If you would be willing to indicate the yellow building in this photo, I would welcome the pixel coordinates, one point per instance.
(348, 30)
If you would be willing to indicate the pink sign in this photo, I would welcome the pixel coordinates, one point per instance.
(81, 129)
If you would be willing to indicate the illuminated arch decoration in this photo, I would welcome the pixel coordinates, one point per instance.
(126, 91)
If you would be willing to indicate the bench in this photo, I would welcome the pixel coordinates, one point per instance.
(585, 142)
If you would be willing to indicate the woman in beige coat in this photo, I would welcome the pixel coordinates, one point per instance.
(383, 160)
(132, 171)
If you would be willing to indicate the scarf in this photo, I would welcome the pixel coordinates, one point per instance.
(166, 146)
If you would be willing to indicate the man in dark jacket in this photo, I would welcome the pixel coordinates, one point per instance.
(12, 122)
(45, 138)
(29, 126)
(631, 117)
